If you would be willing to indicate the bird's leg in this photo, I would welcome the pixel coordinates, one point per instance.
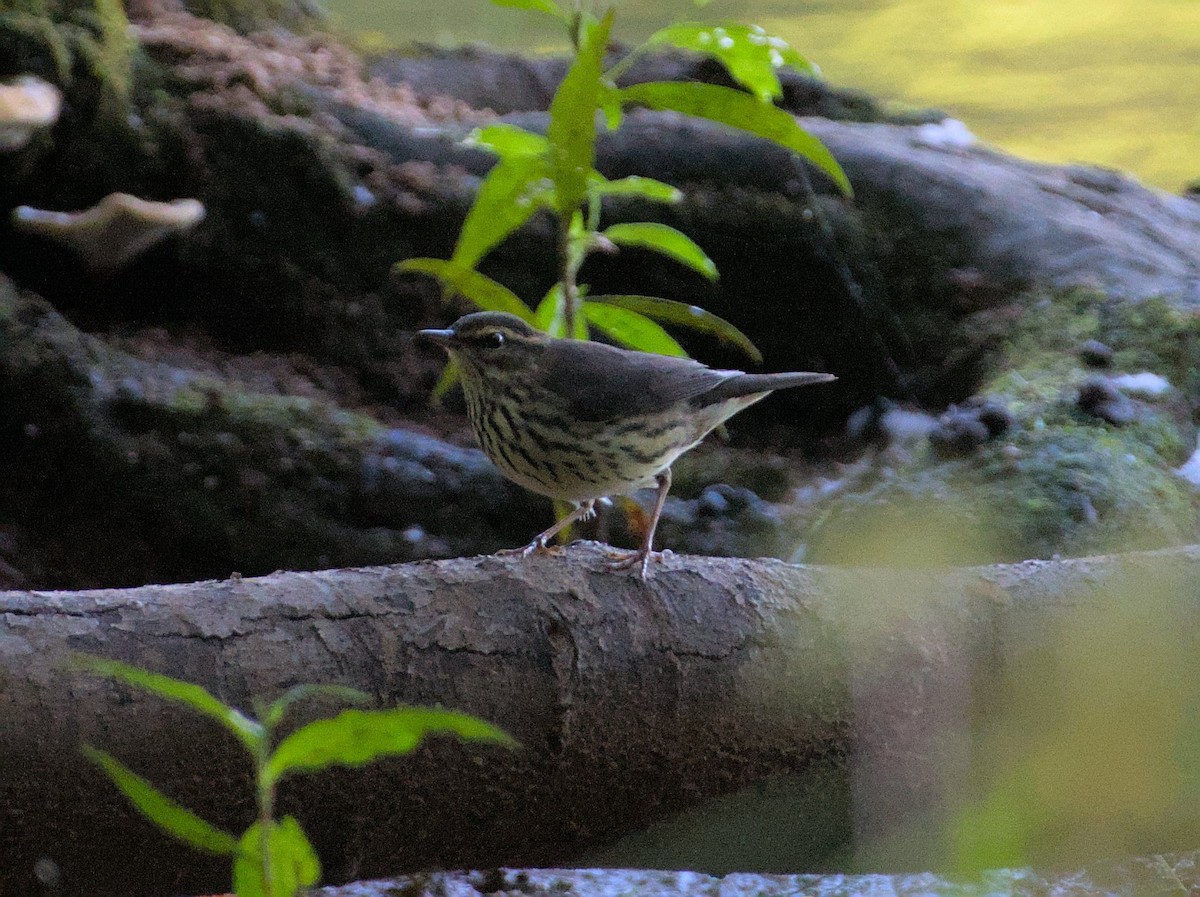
(643, 554)
(582, 511)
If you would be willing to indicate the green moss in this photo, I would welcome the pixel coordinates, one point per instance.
(108, 47)
(83, 45)
(253, 428)
(1081, 490)
(1155, 335)
(1071, 490)
(1148, 335)
(1064, 481)
(31, 43)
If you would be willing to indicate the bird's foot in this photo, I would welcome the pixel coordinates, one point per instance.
(639, 559)
(537, 546)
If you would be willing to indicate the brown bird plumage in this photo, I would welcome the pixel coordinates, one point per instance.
(578, 420)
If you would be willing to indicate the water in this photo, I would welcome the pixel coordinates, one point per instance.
(1108, 82)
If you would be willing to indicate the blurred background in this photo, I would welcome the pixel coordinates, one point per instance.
(1076, 735)
(1108, 82)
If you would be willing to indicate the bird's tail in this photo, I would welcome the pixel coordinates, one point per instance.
(750, 384)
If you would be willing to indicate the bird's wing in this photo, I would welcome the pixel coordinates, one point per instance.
(599, 382)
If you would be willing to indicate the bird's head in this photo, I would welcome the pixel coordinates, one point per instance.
(489, 341)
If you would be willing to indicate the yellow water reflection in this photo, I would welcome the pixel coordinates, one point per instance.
(1110, 82)
(1115, 82)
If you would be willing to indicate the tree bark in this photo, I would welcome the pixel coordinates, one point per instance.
(631, 701)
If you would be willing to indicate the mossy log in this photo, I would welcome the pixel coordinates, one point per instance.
(631, 701)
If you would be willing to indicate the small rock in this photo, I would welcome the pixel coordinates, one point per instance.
(1096, 354)
(1147, 384)
(1101, 399)
(1095, 391)
(897, 425)
(959, 432)
(863, 423)
(724, 499)
(711, 503)
(726, 521)
(1190, 469)
(949, 133)
(904, 426)
(996, 417)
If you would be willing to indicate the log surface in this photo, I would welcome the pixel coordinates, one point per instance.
(631, 700)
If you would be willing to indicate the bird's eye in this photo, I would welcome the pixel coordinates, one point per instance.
(493, 340)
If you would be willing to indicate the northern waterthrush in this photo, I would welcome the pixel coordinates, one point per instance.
(578, 421)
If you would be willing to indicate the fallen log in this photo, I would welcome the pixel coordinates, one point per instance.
(631, 700)
(1128, 878)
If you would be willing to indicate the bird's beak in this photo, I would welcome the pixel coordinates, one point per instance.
(437, 337)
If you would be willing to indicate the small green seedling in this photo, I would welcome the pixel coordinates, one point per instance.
(273, 858)
(556, 172)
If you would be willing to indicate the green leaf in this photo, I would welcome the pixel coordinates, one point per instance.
(450, 375)
(536, 5)
(283, 703)
(512, 192)
(738, 110)
(549, 316)
(634, 185)
(665, 239)
(610, 105)
(750, 55)
(572, 128)
(294, 863)
(509, 140)
(479, 288)
(631, 329)
(694, 317)
(356, 737)
(247, 730)
(160, 809)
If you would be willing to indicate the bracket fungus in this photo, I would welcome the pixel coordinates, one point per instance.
(27, 105)
(113, 232)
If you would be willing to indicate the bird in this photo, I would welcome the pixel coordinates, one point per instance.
(578, 421)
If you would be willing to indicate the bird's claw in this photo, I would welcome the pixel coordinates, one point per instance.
(537, 546)
(630, 560)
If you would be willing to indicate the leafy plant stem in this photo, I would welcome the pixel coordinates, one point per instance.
(626, 61)
(556, 172)
(570, 269)
(593, 215)
(266, 814)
